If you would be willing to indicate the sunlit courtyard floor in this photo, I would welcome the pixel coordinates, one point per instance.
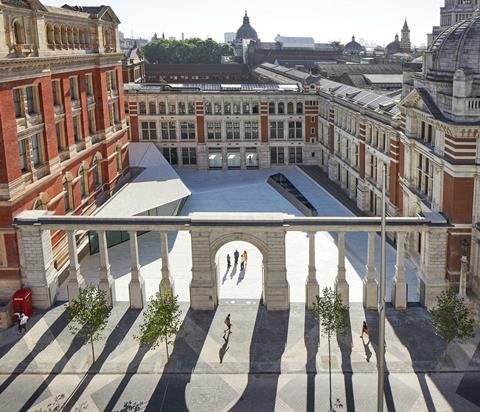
(248, 191)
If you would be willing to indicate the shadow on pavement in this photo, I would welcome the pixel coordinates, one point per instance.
(312, 340)
(266, 349)
(345, 345)
(113, 340)
(48, 336)
(169, 394)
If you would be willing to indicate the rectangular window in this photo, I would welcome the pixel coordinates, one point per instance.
(255, 108)
(295, 155)
(152, 108)
(91, 122)
(233, 130)
(425, 176)
(172, 108)
(276, 130)
(251, 130)
(162, 108)
(170, 153)
(191, 108)
(18, 102)
(76, 129)
(277, 155)
(246, 108)
(149, 131)
(189, 156)
(30, 100)
(73, 88)
(187, 130)
(56, 93)
(214, 130)
(35, 142)
(295, 130)
(22, 151)
(169, 131)
(182, 108)
(59, 132)
(89, 85)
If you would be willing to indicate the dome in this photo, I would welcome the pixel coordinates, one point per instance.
(393, 47)
(353, 47)
(246, 31)
(458, 47)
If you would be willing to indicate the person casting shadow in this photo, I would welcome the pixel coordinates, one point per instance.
(223, 350)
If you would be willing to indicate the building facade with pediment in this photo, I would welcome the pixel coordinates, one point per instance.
(63, 131)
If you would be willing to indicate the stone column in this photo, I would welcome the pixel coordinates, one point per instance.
(312, 288)
(136, 287)
(76, 280)
(370, 284)
(166, 284)
(341, 285)
(106, 283)
(333, 169)
(277, 289)
(203, 287)
(462, 287)
(399, 284)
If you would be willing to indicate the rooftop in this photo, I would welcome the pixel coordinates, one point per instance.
(209, 87)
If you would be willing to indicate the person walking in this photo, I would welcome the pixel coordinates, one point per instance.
(365, 330)
(23, 323)
(242, 264)
(245, 257)
(229, 261)
(228, 324)
(236, 255)
(17, 316)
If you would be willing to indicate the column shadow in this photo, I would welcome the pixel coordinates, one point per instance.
(468, 386)
(312, 340)
(169, 394)
(345, 344)
(48, 336)
(132, 368)
(113, 340)
(266, 349)
(372, 322)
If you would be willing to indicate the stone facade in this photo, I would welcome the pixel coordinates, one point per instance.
(63, 129)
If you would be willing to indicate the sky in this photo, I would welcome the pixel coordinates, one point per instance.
(325, 20)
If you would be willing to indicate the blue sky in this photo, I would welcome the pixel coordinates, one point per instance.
(325, 20)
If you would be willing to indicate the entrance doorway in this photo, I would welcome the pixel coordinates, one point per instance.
(235, 283)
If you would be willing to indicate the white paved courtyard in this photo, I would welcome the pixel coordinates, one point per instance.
(248, 191)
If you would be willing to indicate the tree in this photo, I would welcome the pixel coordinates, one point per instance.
(161, 321)
(333, 316)
(338, 46)
(451, 319)
(189, 51)
(89, 314)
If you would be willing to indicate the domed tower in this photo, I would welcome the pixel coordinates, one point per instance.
(353, 48)
(246, 31)
(405, 44)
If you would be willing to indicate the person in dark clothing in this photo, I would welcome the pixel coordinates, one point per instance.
(236, 255)
(229, 262)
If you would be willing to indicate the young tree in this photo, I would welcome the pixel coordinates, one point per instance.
(89, 314)
(161, 321)
(333, 316)
(451, 319)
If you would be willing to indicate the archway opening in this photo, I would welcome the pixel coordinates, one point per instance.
(239, 282)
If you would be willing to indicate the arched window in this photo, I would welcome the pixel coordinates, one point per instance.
(162, 108)
(37, 205)
(152, 107)
(58, 38)
(82, 182)
(19, 32)
(97, 176)
(50, 35)
(299, 108)
(271, 108)
(281, 108)
(290, 108)
(67, 198)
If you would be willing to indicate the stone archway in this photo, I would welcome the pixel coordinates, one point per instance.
(204, 285)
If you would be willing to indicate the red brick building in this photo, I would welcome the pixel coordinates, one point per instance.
(63, 132)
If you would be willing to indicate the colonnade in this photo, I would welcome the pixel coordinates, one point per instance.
(209, 233)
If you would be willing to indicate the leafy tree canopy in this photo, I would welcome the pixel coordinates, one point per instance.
(451, 319)
(188, 51)
(161, 321)
(331, 312)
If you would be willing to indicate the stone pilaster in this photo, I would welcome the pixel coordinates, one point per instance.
(276, 288)
(36, 261)
(341, 285)
(333, 169)
(370, 284)
(202, 157)
(312, 289)
(363, 197)
(203, 287)
(399, 284)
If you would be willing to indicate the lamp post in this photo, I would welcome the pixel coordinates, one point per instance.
(381, 301)
(462, 289)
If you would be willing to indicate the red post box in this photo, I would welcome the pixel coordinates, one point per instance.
(22, 302)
